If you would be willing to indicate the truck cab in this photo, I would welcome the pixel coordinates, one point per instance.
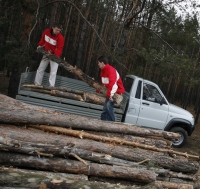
(148, 107)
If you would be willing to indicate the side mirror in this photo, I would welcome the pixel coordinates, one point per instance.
(162, 101)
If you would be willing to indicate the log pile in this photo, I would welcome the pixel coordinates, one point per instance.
(94, 98)
(43, 148)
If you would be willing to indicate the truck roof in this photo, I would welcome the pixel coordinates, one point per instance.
(139, 78)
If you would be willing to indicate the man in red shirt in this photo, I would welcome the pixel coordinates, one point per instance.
(52, 41)
(111, 79)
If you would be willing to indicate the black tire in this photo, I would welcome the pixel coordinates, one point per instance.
(177, 143)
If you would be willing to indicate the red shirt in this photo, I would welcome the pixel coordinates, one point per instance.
(55, 43)
(111, 79)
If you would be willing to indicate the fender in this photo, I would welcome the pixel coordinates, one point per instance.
(171, 123)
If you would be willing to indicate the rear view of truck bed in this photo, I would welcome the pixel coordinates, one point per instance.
(59, 103)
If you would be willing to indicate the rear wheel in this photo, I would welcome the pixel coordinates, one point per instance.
(177, 143)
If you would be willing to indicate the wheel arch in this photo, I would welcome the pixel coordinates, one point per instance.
(185, 124)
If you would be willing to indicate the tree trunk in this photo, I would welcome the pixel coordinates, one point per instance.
(13, 83)
(76, 167)
(49, 88)
(48, 150)
(77, 72)
(119, 141)
(11, 177)
(131, 154)
(69, 93)
(171, 185)
(154, 141)
(13, 111)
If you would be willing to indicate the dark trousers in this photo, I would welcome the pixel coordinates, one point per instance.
(108, 111)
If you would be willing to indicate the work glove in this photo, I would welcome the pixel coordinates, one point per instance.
(111, 99)
(49, 53)
(39, 47)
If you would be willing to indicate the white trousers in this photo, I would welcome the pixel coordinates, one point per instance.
(40, 71)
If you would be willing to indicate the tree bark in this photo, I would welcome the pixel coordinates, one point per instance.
(68, 93)
(13, 111)
(119, 141)
(131, 154)
(154, 141)
(76, 167)
(64, 89)
(77, 72)
(48, 150)
(40, 179)
(171, 185)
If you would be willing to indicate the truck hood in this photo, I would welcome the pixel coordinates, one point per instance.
(177, 110)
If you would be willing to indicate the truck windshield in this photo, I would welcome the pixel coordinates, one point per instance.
(128, 82)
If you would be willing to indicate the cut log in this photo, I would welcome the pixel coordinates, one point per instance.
(157, 141)
(77, 72)
(76, 167)
(94, 98)
(11, 177)
(14, 111)
(81, 134)
(7, 144)
(130, 154)
(66, 95)
(171, 185)
(49, 88)
(42, 174)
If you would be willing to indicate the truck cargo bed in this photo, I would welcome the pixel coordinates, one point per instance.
(59, 103)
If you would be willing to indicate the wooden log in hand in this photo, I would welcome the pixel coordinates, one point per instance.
(84, 77)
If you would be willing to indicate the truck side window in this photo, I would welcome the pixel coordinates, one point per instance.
(128, 82)
(150, 93)
(138, 92)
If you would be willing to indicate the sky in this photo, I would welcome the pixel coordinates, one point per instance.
(187, 6)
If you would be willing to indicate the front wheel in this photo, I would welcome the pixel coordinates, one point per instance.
(177, 143)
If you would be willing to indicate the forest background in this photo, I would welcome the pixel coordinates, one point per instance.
(148, 38)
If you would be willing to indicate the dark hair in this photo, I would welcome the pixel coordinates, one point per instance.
(57, 25)
(103, 59)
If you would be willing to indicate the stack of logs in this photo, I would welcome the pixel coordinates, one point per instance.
(43, 148)
(95, 98)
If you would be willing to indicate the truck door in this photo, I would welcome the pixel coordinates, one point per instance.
(133, 88)
(152, 113)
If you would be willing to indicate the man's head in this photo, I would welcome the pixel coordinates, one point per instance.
(102, 61)
(57, 28)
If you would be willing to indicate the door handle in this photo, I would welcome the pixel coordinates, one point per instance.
(145, 103)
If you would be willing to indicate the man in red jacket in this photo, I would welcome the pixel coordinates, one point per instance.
(52, 41)
(111, 79)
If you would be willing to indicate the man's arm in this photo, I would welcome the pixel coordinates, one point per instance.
(112, 86)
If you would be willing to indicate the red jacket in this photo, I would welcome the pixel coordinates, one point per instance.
(111, 79)
(55, 43)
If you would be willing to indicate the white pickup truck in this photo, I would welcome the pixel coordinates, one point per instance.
(144, 104)
(147, 106)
